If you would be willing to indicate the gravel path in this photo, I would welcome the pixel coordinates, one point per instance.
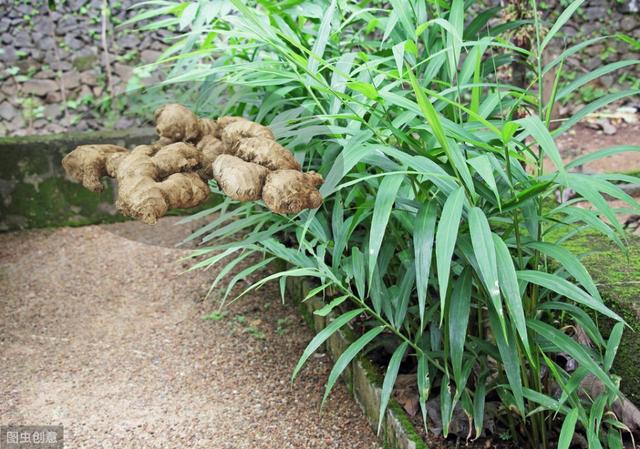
(100, 331)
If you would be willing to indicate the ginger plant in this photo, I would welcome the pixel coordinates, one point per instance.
(242, 156)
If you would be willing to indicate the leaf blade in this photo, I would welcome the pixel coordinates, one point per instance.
(484, 250)
(568, 429)
(576, 350)
(324, 335)
(423, 238)
(348, 355)
(566, 289)
(446, 236)
(459, 309)
(385, 198)
(509, 286)
(390, 380)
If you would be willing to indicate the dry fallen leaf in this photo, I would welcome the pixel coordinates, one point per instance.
(406, 393)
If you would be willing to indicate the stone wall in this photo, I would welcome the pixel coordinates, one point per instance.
(53, 75)
(595, 18)
(601, 18)
(53, 66)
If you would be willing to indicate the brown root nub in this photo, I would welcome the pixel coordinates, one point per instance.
(178, 123)
(149, 200)
(291, 191)
(225, 121)
(241, 155)
(142, 192)
(210, 148)
(208, 127)
(243, 129)
(161, 142)
(267, 153)
(88, 164)
(175, 158)
(239, 180)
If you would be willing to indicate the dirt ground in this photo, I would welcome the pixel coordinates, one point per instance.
(582, 139)
(100, 332)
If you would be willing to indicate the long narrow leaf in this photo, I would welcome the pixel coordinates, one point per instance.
(459, 310)
(570, 263)
(560, 21)
(347, 356)
(565, 288)
(446, 236)
(423, 237)
(484, 250)
(510, 290)
(317, 52)
(390, 380)
(568, 428)
(509, 354)
(612, 345)
(385, 198)
(566, 344)
(323, 335)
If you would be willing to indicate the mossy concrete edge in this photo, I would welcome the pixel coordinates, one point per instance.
(363, 379)
(618, 279)
(34, 191)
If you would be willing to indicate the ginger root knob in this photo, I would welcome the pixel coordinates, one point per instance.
(242, 129)
(292, 191)
(144, 194)
(267, 153)
(88, 164)
(241, 155)
(238, 179)
(177, 123)
(210, 147)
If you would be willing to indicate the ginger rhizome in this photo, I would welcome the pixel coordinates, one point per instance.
(242, 156)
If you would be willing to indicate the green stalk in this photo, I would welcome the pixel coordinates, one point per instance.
(516, 222)
(389, 326)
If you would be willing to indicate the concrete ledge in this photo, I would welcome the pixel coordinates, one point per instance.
(34, 191)
(361, 376)
(618, 279)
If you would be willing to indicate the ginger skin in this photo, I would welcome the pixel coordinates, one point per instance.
(177, 123)
(151, 182)
(291, 191)
(242, 156)
(238, 179)
(210, 147)
(267, 153)
(88, 164)
(242, 129)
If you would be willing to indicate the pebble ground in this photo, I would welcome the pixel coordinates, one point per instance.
(102, 331)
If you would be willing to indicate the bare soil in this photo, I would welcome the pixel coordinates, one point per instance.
(582, 140)
(101, 331)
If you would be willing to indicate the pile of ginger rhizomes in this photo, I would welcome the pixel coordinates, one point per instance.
(242, 156)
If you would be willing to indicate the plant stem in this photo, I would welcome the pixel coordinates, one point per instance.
(516, 222)
(105, 49)
(389, 326)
